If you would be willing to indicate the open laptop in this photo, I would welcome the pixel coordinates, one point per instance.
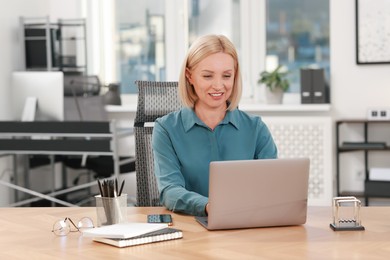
(257, 193)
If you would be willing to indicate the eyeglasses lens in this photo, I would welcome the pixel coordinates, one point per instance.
(85, 223)
(61, 228)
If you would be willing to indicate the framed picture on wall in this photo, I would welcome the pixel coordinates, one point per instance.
(372, 31)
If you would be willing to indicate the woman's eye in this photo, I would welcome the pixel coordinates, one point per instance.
(227, 76)
(207, 76)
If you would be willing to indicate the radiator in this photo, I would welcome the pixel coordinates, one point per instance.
(307, 137)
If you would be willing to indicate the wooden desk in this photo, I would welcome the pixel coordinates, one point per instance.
(26, 233)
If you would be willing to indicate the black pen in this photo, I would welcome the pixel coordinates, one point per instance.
(106, 188)
(112, 186)
(109, 187)
(120, 191)
(100, 188)
(116, 188)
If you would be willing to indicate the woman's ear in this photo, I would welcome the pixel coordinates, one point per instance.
(188, 76)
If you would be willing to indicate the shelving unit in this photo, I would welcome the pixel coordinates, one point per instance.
(371, 188)
(72, 45)
(60, 46)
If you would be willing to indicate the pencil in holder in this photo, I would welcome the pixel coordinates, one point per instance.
(111, 210)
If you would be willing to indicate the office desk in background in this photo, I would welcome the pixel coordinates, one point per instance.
(60, 138)
(26, 233)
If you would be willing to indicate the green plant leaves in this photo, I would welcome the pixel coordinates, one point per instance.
(275, 79)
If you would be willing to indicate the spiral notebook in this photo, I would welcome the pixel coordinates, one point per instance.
(123, 230)
(151, 237)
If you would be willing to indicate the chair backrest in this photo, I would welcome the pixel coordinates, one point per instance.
(155, 99)
(81, 85)
(83, 101)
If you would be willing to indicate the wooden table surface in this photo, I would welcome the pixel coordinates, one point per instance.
(25, 233)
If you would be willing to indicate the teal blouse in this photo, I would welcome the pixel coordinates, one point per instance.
(183, 147)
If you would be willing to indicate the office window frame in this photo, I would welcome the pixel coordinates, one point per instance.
(298, 40)
(252, 57)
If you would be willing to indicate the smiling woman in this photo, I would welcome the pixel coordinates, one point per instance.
(212, 59)
(209, 128)
(212, 80)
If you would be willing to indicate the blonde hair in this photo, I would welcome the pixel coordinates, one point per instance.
(199, 50)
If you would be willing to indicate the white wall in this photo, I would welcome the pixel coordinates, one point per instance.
(354, 87)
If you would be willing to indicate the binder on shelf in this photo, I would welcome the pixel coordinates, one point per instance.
(152, 237)
(306, 87)
(318, 86)
(314, 88)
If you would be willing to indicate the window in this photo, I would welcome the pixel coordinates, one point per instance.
(140, 42)
(217, 17)
(298, 36)
(214, 17)
(153, 36)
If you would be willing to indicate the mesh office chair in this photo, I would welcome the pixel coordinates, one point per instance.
(155, 99)
(81, 85)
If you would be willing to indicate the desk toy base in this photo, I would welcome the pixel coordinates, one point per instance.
(346, 228)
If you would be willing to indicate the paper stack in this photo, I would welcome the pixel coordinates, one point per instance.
(131, 234)
(380, 174)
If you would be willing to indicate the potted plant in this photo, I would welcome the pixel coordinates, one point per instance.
(276, 84)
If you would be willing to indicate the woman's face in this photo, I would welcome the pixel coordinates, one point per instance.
(213, 80)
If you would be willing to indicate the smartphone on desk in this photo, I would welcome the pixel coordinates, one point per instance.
(160, 218)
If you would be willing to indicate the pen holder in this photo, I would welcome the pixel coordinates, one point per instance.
(111, 210)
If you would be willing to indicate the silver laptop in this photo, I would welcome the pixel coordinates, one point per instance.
(257, 193)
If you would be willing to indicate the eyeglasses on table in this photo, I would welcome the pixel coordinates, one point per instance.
(64, 226)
